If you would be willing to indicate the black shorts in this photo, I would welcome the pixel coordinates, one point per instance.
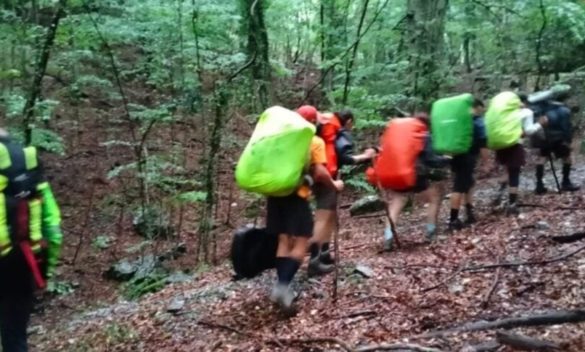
(512, 157)
(290, 215)
(325, 197)
(462, 167)
(421, 185)
(560, 150)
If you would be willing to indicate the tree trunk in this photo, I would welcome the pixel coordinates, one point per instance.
(257, 47)
(351, 60)
(425, 27)
(40, 70)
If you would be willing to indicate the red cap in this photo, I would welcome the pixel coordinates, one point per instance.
(308, 112)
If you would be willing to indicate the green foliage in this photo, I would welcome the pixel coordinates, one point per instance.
(137, 288)
(59, 288)
(102, 242)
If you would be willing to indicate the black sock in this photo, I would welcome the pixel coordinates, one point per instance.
(513, 198)
(566, 173)
(286, 268)
(539, 174)
(325, 247)
(314, 250)
(454, 214)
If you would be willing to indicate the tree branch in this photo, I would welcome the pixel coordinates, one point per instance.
(345, 52)
(547, 318)
(515, 264)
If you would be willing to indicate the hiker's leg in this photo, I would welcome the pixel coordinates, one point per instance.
(397, 203)
(434, 196)
(322, 230)
(541, 160)
(15, 310)
(514, 182)
(564, 152)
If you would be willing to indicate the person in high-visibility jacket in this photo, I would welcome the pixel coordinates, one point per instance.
(30, 238)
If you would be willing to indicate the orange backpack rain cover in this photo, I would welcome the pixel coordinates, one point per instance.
(401, 144)
(329, 127)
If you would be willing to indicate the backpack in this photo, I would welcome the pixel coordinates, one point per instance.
(558, 129)
(273, 162)
(395, 167)
(329, 128)
(502, 121)
(452, 124)
(253, 251)
(21, 206)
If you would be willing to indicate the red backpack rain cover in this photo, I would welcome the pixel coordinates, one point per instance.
(329, 127)
(401, 144)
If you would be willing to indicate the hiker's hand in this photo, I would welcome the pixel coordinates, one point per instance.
(370, 153)
(338, 185)
(543, 121)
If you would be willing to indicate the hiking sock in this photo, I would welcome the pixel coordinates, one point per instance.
(431, 228)
(539, 174)
(454, 215)
(566, 173)
(388, 234)
(286, 268)
(325, 247)
(315, 250)
(513, 198)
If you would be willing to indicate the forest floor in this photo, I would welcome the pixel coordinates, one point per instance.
(413, 290)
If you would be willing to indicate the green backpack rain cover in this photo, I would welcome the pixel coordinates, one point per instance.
(502, 123)
(452, 124)
(272, 163)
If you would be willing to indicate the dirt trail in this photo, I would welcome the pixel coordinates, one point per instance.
(415, 289)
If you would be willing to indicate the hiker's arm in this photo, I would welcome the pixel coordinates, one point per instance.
(528, 125)
(321, 175)
(366, 156)
(51, 226)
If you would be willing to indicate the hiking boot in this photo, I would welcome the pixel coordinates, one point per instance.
(569, 187)
(512, 210)
(283, 296)
(387, 245)
(540, 189)
(317, 268)
(326, 258)
(470, 219)
(455, 225)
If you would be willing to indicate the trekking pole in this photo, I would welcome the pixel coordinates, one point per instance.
(554, 172)
(336, 247)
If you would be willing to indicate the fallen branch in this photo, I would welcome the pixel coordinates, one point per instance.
(570, 238)
(525, 343)
(486, 301)
(397, 347)
(548, 318)
(451, 277)
(370, 216)
(223, 327)
(330, 340)
(515, 264)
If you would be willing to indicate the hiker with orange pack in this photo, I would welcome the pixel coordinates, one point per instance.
(407, 164)
(334, 129)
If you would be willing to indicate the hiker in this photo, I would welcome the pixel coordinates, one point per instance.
(463, 167)
(334, 129)
(30, 238)
(555, 140)
(507, 120)
(407, 164)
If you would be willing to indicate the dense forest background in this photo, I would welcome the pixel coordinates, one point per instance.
(142, 106)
